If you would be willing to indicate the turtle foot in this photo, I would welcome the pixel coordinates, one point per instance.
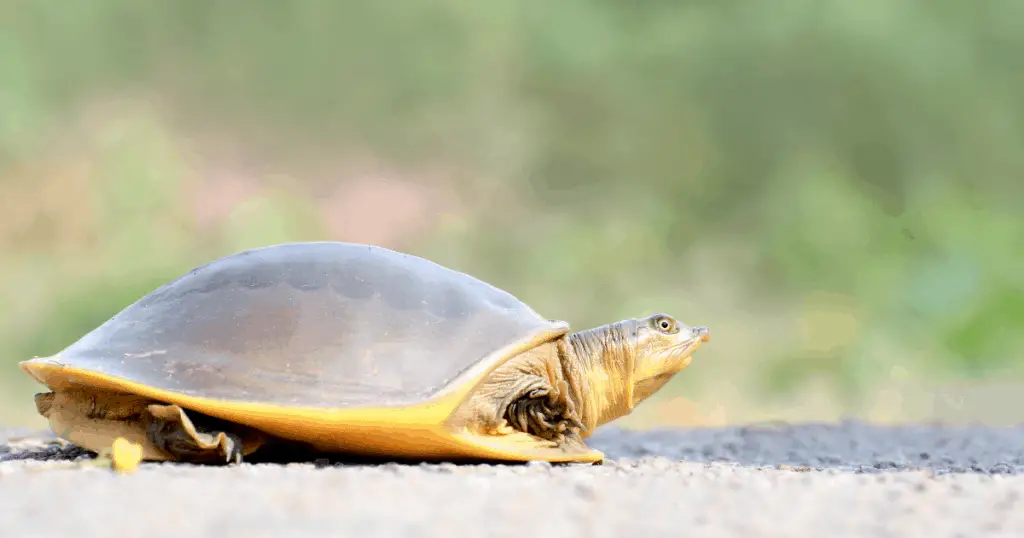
(198, 439)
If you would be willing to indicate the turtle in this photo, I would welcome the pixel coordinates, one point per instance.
(349, 348)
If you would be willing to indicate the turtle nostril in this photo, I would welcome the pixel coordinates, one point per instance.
(703, 333)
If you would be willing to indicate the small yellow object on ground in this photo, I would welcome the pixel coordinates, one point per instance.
(125, 455)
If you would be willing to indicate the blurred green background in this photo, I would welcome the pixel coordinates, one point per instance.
(832, 187)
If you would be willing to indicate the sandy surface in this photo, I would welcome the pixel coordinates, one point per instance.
(816, 480)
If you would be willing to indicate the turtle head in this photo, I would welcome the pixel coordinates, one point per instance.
(664, 347)
(625, 362)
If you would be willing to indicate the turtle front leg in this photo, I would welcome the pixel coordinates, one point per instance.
(520, 417)
(524, 410)
(198, 439)
(536, 407)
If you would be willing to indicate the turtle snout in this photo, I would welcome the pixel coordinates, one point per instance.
(702, 333)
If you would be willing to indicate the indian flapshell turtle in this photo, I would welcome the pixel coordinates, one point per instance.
(349, 348)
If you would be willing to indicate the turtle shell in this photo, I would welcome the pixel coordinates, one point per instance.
(312, 325)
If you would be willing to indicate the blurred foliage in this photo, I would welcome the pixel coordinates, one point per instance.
(831, 186)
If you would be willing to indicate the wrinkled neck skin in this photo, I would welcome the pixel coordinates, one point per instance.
(599, 363)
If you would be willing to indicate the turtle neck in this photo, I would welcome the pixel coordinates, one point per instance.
(598, 366)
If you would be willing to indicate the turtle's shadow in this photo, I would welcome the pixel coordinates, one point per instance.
(848, 446)
(285, 454)
(46, 447)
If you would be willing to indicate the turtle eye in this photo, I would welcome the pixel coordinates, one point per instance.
(665, 324)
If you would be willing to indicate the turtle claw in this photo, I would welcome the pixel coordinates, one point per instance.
(232, 450)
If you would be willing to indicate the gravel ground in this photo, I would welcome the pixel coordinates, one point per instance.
(848, 479)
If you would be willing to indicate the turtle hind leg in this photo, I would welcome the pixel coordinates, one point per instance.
(93, 419)
(195, 438)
